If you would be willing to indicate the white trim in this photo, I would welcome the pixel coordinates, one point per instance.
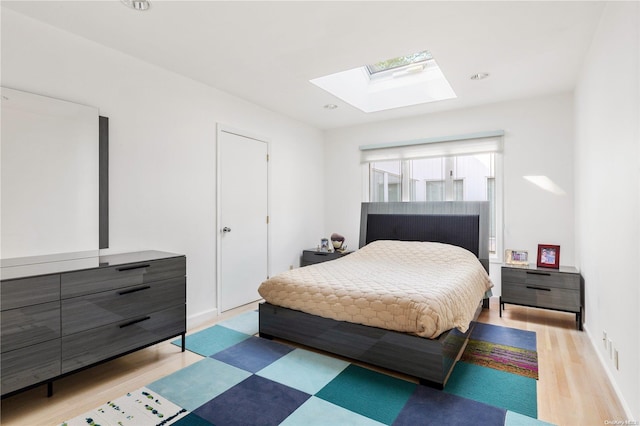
(201, 318)
(612, 381)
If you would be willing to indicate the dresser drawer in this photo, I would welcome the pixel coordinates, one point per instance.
(29, 291)
(542, 297)
(91, 346)
(30, 325)
(79, 283)
(30, 365)
(95, 310)
(541, 278)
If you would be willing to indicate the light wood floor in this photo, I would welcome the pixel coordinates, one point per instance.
(573, 388)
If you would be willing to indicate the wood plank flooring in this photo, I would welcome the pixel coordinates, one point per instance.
(573, 388)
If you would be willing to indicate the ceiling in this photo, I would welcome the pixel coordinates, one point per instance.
(266, 52)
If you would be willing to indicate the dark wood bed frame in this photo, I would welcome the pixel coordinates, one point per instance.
(465, 224)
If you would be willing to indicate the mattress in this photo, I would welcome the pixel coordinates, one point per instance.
(413, 287)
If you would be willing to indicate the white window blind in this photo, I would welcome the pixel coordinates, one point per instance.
(476, 143)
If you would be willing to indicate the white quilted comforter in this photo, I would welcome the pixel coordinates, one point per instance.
(412, 287)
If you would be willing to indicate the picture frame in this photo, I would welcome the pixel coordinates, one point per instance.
(516, 257)
(548, 256)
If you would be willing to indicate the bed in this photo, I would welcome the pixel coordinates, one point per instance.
(408, 337)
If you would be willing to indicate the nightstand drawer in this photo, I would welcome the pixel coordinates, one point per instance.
(542, 297)
(541, 278)
(310, 257)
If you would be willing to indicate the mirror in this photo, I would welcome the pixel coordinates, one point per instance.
(49, 177)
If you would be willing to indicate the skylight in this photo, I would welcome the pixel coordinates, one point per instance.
(400, 61)
(394, 83)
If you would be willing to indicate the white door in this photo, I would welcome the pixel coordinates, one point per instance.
(242, 218)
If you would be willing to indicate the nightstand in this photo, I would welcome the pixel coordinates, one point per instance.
(311, 256)
(557, 289)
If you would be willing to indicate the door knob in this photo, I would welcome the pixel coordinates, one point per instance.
(226, 229)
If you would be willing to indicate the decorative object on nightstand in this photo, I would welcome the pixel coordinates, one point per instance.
(548, 256)
(311, 256)
(560, 290)
(337, 241)
(516, 257)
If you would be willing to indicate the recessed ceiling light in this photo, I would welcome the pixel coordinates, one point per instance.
(331, 106)
(480, 76)
(137, 4)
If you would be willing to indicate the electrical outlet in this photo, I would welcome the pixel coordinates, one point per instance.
(290, 267)
(615, 359)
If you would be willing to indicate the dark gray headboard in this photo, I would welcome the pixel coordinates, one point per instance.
(457, 230)
(461, 223)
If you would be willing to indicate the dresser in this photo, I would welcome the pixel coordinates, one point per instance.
(64, 316)
(309, 257)
(558, 289)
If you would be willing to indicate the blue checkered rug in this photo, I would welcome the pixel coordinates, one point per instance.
(246, 380)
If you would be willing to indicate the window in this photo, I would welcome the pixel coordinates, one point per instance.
(399, 62)
(435, 191)
(451, 174)
(386, 181)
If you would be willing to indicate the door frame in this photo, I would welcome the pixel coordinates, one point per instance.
(220, 128)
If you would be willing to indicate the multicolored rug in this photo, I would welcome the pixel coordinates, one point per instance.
(501, 357)
(246, 380)
(502, 348)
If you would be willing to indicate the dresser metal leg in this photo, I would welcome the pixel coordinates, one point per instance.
(183, 342)
(579, 320)
(49, 389)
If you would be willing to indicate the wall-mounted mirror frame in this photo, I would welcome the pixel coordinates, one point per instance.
(54, 178)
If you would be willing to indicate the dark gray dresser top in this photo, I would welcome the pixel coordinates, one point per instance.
(533, 267)
(42, 267)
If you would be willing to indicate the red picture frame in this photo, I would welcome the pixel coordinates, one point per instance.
(548, 256)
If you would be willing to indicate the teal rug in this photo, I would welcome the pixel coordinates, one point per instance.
(246, 380)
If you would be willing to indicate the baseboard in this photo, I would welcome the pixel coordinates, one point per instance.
(201, 318)
(612, 380)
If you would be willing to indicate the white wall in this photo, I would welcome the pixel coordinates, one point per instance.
(608, 192)
(162, 150)
(538, 141)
